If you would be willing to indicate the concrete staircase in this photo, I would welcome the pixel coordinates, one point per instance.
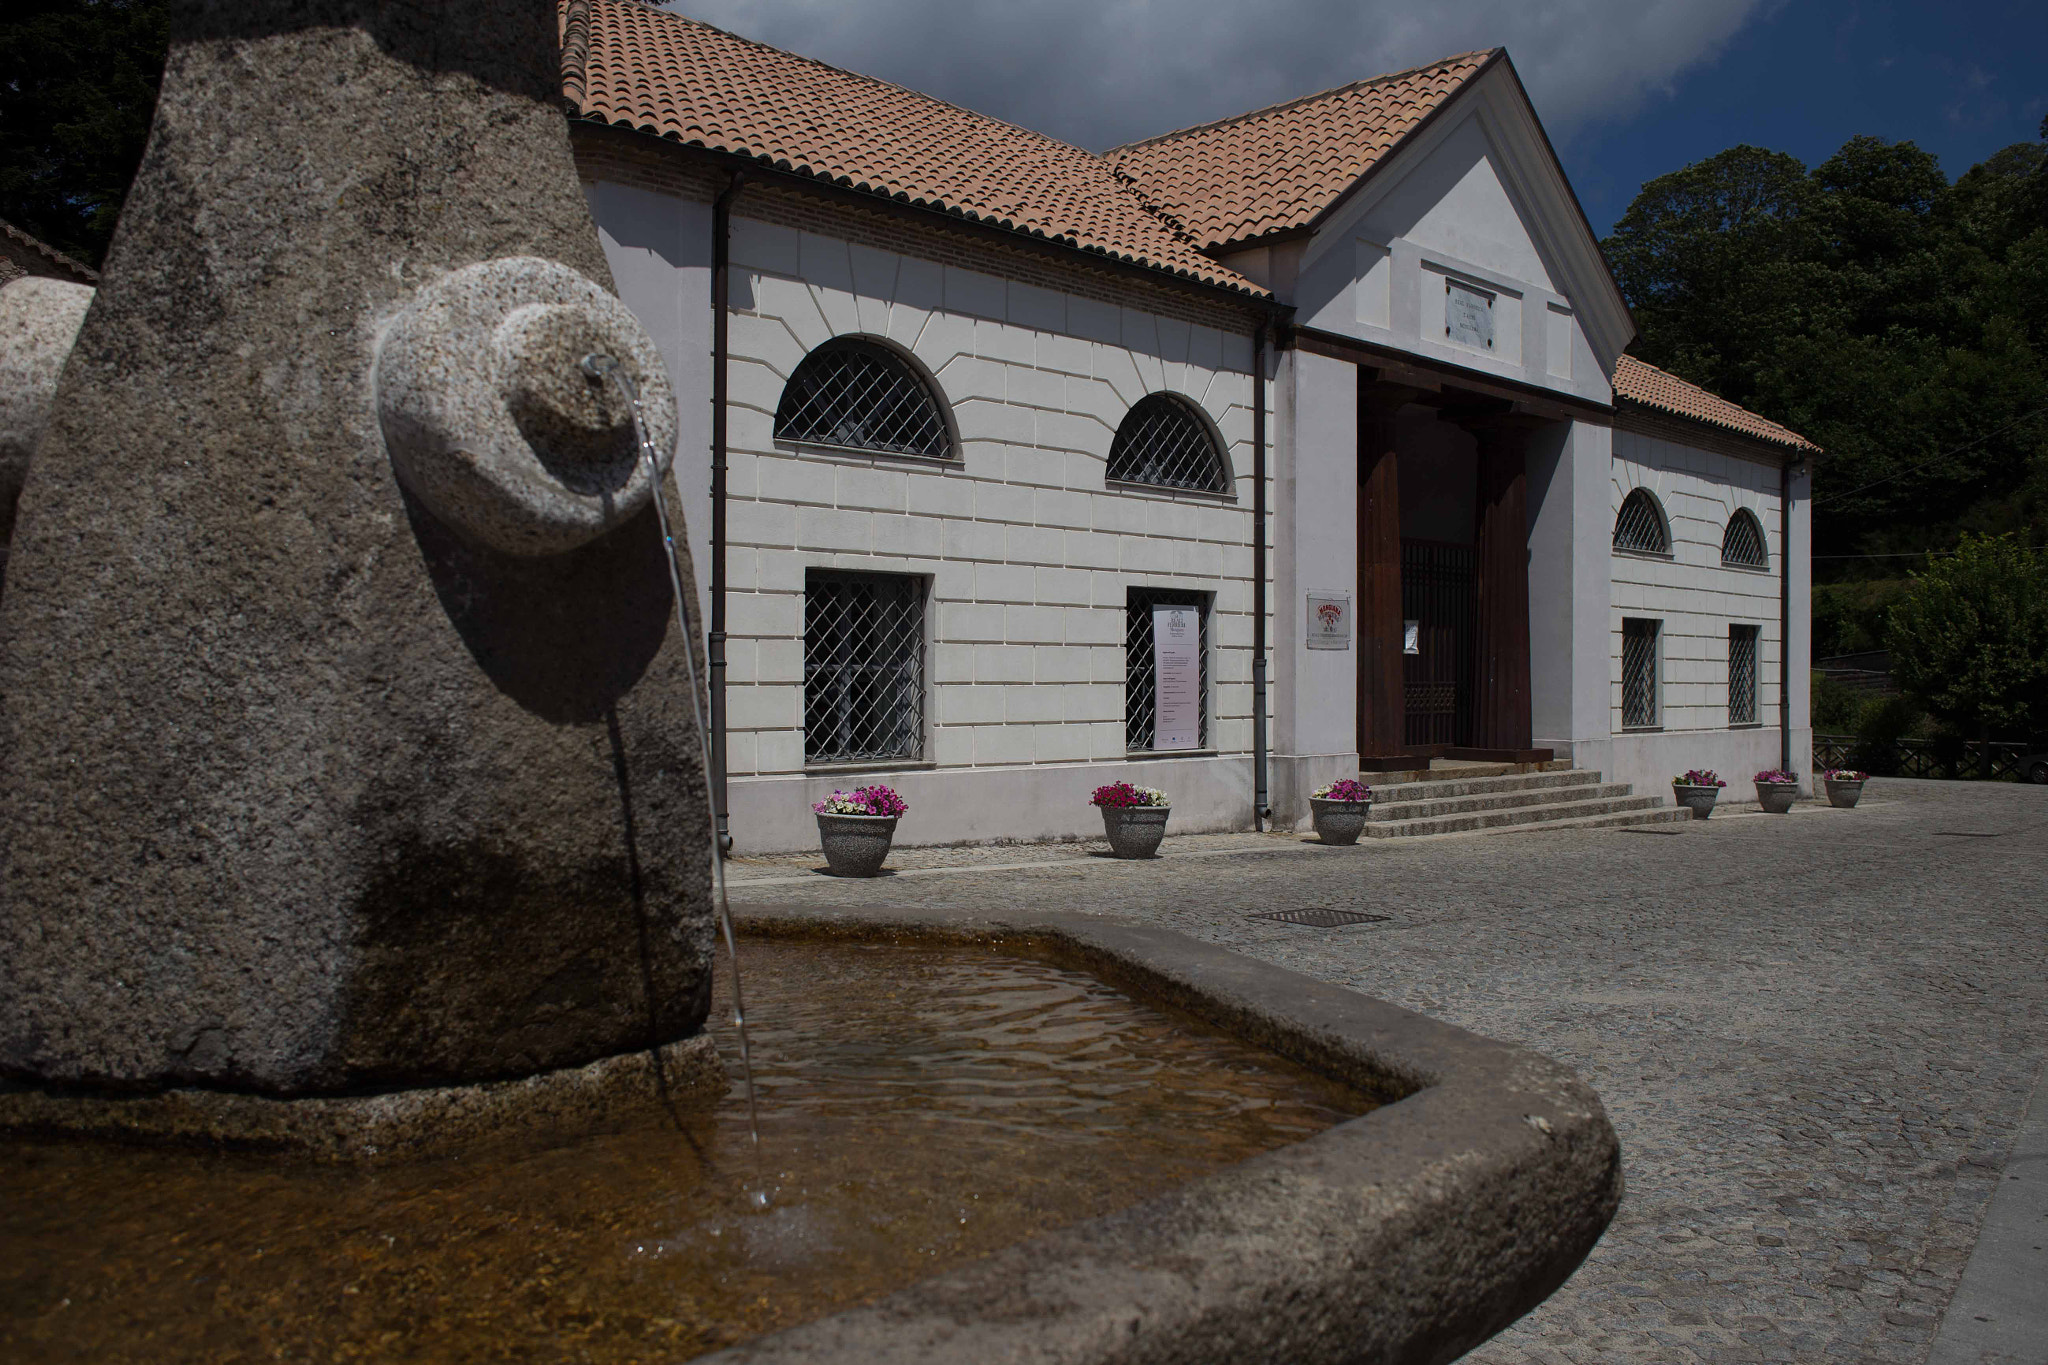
(1459, 798)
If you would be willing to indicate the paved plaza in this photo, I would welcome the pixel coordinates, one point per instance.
(1817, 1035)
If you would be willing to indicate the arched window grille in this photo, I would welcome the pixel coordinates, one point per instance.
(1163, 441)
(1743, 542)
(1640, 525)
(855, 393)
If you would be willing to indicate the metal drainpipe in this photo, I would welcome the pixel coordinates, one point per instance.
(1262, 809)
(1785, 616)
(721, 232)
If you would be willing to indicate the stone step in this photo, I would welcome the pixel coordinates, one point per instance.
(1498, 800)
(1544, 816)
(1655, 815)
(1460, 771)
(1396, 793)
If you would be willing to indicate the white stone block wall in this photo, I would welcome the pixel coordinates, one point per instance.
(1696, 598)
(1026, 551)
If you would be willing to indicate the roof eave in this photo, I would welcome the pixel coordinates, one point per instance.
(761, 164)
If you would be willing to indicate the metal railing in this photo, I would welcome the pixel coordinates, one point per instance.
(1639, 674)
(863, 667)
(1963, 760)
(857, 394)
(1163, 441)
(1742, 675)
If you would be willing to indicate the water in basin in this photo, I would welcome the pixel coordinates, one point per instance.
(919, 1105)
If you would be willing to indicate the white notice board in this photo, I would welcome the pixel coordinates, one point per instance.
(1176, 677)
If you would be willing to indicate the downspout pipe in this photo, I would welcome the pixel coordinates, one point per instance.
(1785, 472)
(721, 240)
(1262, 808)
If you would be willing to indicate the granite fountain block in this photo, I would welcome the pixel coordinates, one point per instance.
(322, 772)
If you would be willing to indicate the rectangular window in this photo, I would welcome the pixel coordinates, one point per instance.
(1742, 675)
(863, 667)
(1142, 678)
(1639, 675)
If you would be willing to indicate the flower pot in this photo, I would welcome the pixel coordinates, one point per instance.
(1338, 822)
(1698, 800)
(855, 845)
(1844, 794)
(1777, 797)
(1134, 831)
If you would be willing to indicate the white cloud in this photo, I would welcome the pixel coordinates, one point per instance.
(1101, 72)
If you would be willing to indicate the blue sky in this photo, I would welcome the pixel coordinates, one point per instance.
(1629, 89)
(1961, 80)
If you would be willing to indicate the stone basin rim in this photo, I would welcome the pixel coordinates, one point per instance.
(1411, 1233)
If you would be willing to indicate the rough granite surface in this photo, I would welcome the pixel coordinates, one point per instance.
(39, 319)
(1816, 1033)
(301, 791)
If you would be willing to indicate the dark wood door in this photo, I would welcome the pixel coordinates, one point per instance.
(1438, 591)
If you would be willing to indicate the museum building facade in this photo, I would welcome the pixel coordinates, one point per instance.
(986, 502)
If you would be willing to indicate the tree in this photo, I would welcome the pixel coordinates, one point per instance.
(1899, 320)
(1969, 640)
(78, 84)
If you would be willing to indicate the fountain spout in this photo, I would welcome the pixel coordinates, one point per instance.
(602, 368)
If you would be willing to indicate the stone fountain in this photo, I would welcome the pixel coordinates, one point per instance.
(346, 747)
(350, 795)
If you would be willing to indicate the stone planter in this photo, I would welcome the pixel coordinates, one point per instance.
(1134, 831)
(1698, 800)
(1844, 794)
(1777, 797)
(1338, 822)
(855, 845)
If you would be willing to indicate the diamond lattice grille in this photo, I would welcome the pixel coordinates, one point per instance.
(1166, 443)
(863, 667)
(1742, 675)
(856, 394)
(1140, 694)
(1638, 674)
(1743, 543)
(1640, 526)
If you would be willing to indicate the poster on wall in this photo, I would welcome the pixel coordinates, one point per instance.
(1329, 621)
(1176, 677)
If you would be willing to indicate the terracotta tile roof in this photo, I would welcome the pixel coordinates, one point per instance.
(649, 69)
(1636, 381)
(1279, 168)
(33, 256)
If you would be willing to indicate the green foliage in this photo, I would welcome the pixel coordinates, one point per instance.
(1969, 640)
(1835, 706)
(1897, 319)
(78, 83)
(1849, 618)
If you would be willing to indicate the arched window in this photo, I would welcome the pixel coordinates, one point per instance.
(862, 395)
(1640, 526)
(1165, 441)
(1743, 542)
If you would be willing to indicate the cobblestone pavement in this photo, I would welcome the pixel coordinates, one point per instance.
(1816, 1034)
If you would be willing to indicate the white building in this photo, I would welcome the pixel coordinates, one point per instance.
(984, 403)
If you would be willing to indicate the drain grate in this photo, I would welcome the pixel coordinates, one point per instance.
(1322, 919)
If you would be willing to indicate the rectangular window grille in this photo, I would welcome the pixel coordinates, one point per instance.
(863, 667)
(1140, 692)
(1742, 675)
(1639, 674)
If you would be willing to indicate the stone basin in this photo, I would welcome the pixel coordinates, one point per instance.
(1196, 1156)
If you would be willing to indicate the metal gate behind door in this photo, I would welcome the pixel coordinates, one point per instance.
(1439, 592)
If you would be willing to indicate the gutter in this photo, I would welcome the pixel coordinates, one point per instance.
(721, 240)
(1262, 808)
